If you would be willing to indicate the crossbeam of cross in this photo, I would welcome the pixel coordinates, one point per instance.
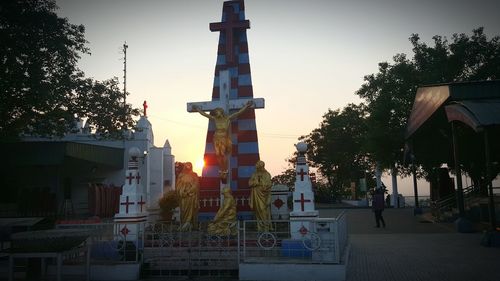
(224, 102)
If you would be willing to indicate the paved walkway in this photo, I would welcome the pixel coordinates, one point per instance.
(410, 249)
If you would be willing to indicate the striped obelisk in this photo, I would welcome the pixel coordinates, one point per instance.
(233, 70)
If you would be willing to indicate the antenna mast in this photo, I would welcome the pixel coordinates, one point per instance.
(125, 46)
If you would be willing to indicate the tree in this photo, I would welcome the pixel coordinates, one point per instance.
(389, 96)
(101, 104)
(42, 90)
(287, 178)
(336, 147)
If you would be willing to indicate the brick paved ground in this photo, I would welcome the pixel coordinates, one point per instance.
(410, 250)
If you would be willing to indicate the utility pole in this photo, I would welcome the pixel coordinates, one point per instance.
(125, 46)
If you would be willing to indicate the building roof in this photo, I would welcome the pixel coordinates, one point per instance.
(43, 153)
(474, 103)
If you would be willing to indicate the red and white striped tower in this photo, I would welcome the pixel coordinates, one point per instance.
(232, 88)
(132, 213)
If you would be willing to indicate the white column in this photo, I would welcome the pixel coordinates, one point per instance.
(394, 197)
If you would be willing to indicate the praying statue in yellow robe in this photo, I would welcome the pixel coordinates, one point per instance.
(222, 137)
(260, 197)
(224, 222)
(187, 186)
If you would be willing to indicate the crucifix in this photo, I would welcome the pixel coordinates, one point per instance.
(220, 114)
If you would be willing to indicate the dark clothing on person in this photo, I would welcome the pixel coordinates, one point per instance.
(378, 205)
(379, 218)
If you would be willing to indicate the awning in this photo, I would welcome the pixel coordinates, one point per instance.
(46, 153)
(476, 114)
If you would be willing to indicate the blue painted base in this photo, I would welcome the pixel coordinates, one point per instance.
(294, 248)
(203, 217)
(242, 216)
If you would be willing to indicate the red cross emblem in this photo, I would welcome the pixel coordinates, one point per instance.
(145, 105)
(302, 200)
(231, 24)
(278, 203)
(141, 203)
(130, 178)
(302, 174)
(138, 178)
(125, 231)
(303, 230)
(126, 203)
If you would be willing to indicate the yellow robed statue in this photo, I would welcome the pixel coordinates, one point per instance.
(260, 198)
(187, 185)
(224, 222)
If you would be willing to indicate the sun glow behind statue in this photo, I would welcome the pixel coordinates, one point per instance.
(198, 166)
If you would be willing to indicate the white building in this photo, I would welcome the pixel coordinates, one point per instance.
(80, 175)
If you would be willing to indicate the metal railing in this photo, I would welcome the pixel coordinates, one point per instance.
(165, 250)
(169, 251)
(447, 203)
(317, 241)
(108, 244)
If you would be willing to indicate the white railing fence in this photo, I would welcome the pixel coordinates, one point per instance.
(321, 240)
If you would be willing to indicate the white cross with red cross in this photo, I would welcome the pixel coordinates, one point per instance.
(130, 178)
(138, 177)
(126, 203)
(141, 203)
(302, 201)
(302, 174)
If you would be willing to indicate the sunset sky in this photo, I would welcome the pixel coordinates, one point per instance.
(305, 57)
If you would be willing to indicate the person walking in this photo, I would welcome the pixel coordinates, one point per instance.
(378, 204)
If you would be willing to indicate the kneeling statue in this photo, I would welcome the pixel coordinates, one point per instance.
(224, 222)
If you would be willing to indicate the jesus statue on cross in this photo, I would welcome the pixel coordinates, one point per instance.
(222, 138)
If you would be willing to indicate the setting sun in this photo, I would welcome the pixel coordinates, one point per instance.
(199, 165)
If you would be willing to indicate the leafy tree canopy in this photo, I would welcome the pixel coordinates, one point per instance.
(287, 178)
(41, 88)
(336, 148)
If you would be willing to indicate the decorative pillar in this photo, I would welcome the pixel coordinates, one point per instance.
(132, 214)
(304, 212)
